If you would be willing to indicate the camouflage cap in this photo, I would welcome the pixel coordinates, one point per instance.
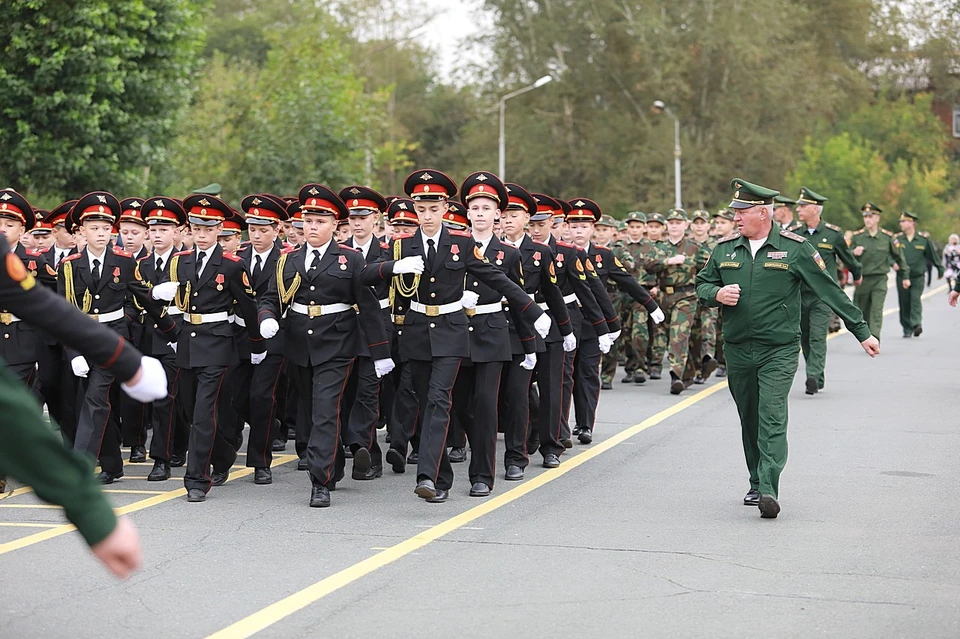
(700, 214)
(676, 214)
(636, 216)
(607, 220)
(655, 218)
(621, 225)
(726, 214)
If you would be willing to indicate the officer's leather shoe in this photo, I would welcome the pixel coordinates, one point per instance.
(138, 454)
(319, 497)
(480, 489)
(627, 379)
(639, 378)
(606, 386)
(160, 472)
(654, 374)
(721, 371)
(917, 331)
(108, 478)
(396, 461)
(219, 479)
(278, 445)
(576, 431)
(361, 463)
(514, 473)
(709, 365)
(811, 385)
(457, 455)
(676, 387)
(551, 461)
(413, 459)
(372, 473)
(752, 498)
(769, 508)
(425, 489)
(439, 498)
(302, 464)
(567, 442)
(585, 436)
(196, 495)
(262, 476)
(176, 461)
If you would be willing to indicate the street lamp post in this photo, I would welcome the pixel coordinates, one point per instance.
(502, 166)
(660, 107)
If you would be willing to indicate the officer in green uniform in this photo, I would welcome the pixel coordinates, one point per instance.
(637, 332)
(755, 277)
(815, 318)
(918, 251)
(877, 249)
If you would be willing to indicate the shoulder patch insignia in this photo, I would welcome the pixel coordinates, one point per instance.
(15, 268)
(477, 254)
(579, 265)
(349, 248)
(70, 258)
(246, 280)
(731, 237)
(590, 266)
(231, 256)
(51, 271)
(791, 236)
(460, 233)
(833, 227)
(819, 260)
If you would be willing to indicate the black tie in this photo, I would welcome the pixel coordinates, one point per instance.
(159, 265)
(96, 270)
(431, 254)
(316, 260)
(257, 268)
(200, 256)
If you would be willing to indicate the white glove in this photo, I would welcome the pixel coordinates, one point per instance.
(152, 384)
(80, 366)
(164, 292)
(605, 343)
(614, 336)
(383, 366)
(569, 343)
(529, 361)
(543, 324)
(469, 299)
(256, 358)
(657, 316)
(172, 345)
(269, 327)
(413, 264)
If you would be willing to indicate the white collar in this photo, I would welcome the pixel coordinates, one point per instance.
(322, 249)
(165, 257)
(100, 258)
(435, 238)
(263, 256)
(363, 248)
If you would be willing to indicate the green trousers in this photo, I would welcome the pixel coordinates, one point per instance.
(911, 308)
(869, 298)
(814, 323)
(760, 378)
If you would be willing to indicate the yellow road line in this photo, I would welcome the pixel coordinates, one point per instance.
(129, 491)
(18, 491)
(285, 607)
(63, 529)
(27, 525)
(29, 506)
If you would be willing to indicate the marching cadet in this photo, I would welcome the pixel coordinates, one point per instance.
(231, 235)
(877, 249)
(540, 283)
(605, 235)
(656, 226)
(317, 286)
(435, 336)
(586, 388)
(918, 251)
(815, 319)
(43, 232)
(703, 334)
(204, 282)
(256, 387)
(362, 398)
(455, 219)
(676, 265)
(724, 225)
(101, 281)
(636, 327)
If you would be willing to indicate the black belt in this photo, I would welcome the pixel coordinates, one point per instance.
(672, 290)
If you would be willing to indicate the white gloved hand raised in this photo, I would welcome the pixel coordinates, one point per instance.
(529, 361)
(569, 343)
(152, 384)
(412, 264)
(605, 343)
(257, 358)
(469, 299)
(269, 327)
(657, 316)
(543, 324)
(383, 366)
(164, 292)
(80, 366)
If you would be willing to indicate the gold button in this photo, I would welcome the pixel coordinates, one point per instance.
(312, 303)
(310, 332)
(193, 334)
(432, 325)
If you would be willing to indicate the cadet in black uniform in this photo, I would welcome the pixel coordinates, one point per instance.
(317, 287)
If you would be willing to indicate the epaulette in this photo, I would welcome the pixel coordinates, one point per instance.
(384, 245)
(566, 244)
(924, 233)
(792, 236)
(119, 251)
(70, 258)
(460, 233)
(402, 236)
(182, 253)
(859, 231)
(46, 250)
(290, 249)
(231, 256)
(541, 243)
(602, 248)
(887, 232)
(900, 234)
(734, 236)
(833, 227)
(349, 248)
(32, 252)
(140, 259)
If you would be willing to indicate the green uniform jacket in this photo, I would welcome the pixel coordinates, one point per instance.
(642, 252)
(828, 240)
(917, 252)
(768, 312)
(880, 252)
(670, 276)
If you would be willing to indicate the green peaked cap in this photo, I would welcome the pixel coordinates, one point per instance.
(810, 197)
(907, 215)
(870, 208)
(211, 189)
(783, 200)
(747, 194)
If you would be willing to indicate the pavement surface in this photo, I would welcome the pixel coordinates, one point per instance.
(640, 534)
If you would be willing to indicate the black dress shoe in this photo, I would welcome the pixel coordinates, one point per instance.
(457, 455)
(606, 386)
(655, 375)
(413, 459)
(567, 442)
(195, 495)
(752, 498)
(278, 445)
(576, 431)
(639, 378)
(138, 454)
(219, 479)
(514, 473)
(551, 461)
(262, 476)
(425, 489)
(160, 472)
(676, 386)
(396, 461)
(699, 380)
(372, 473)
(917, 331)
(361, 464)
(480, 489)
(439, 498)
(585, 436)
(108, 478)
(320, 497)
(627, 379)
(721, 371)
(769, 508)
(811, 385)
(302, 464)
(709, 365)
(176, 461)
(291, 434)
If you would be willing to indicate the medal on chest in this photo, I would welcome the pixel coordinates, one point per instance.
(559, 260)
(536, 258)
(499, 258)
(455, 252)
(343, 262)
(598, 261)
(116, 274)
(219, 281)
(32, 267)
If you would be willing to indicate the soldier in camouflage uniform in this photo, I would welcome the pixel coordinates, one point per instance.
(657, 348)
(605, 234)
(637, 333)
(703, 334)
(676, 265)
(724, 226)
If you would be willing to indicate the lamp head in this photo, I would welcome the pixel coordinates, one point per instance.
(542, 81)
(658, 106)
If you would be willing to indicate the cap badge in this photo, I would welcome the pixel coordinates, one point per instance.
(355, 191)
(102, 198)
(256, 201)
(579, 203)
(402, 205)
(482, 178)
(158, 203)
(426, 176)
(5, 196)
(204, 202)
(313, 191)
(134, 205)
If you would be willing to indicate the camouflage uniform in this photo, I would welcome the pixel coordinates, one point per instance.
(638, 337)
(624, 305)
(703, 334)
(658, 332)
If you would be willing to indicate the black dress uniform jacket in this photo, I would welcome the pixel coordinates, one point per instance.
(21, 342)
(155, 339)
(261, 284)
(491, 337)
(540, 280)
(378, 250)
(573, 277)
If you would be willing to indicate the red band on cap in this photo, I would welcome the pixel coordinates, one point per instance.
(358, 203)
(9, 209)
(430, 189)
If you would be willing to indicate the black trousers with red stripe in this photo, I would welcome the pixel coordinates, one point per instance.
(515, 411)
(255, 402)
(321, 391)
(362, 404)
(433, 385)
(586, 383)
(476, 395)
(212, 442)
(171, 428)
(97, 432)
(548, 421)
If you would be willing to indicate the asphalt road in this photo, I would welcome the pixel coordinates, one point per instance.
(641, 534)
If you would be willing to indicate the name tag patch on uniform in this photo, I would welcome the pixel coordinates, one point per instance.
(776, 255)
(730, 265)
(783, 266)
(824, 245)
(919, 247)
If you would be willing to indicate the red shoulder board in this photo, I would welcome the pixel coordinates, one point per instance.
(119, 251)
(288, 250)
(887, 232)
(32, 253)
(140, 259)
(183, 253)
(384, 245)
(349, 248)
(566, 244)
(70, 258)
(541, 243)
(402, 236)
(230, 256)
(833, 227)
(46, 250)
(460, 233)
